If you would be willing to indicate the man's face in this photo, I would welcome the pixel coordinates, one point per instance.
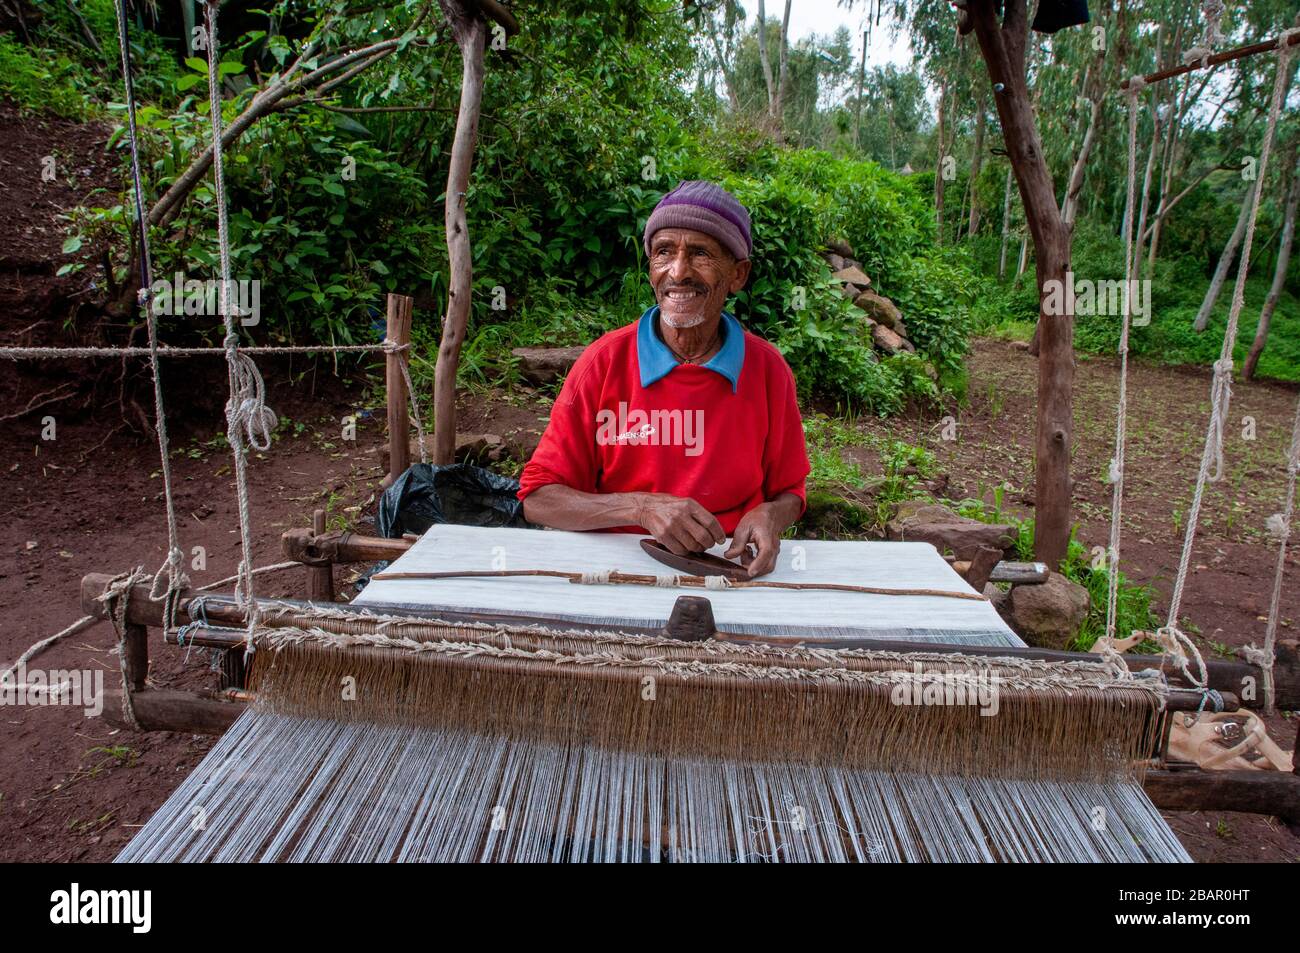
(692, 275)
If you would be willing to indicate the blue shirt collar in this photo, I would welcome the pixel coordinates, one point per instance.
(655, 360)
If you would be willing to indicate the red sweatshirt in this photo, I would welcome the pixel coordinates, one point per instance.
(631, 419)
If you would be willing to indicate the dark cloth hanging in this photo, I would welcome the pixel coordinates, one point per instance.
(1054, 15)
(456, 493)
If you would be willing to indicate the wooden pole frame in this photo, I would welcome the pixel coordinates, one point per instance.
(1217, 59)
(399, 417)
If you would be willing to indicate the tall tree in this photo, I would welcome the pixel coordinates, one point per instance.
(1003, 47)
(776, 87)
(1280, 269)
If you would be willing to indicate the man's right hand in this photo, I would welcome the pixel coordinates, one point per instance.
(681, 524)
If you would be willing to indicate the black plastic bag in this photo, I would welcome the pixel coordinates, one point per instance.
(458, 493)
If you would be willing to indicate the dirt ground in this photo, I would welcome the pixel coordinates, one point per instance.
(89, 500)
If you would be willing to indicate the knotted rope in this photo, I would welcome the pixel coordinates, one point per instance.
(1133, 93)
(1221, 387)
(246, 411)
(392, 347)
(1281, 524)
(173, 563)
(117, 597)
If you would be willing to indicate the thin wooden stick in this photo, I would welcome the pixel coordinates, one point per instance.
(1226, 56)
(697, 582)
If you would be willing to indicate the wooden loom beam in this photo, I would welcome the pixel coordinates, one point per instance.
(692, 619)
(1249, 792)
(1225, 675)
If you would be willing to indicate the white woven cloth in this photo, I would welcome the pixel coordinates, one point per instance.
(821, 615)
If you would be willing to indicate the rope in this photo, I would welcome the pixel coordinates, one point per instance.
(275, 567)
(117, 596)
(1133, 93)
(173, 564)
(1213, 11)
(1221, 387)
(42, 353)
(1282, 521)
(245, 407)
(405, 365)
(85, 622)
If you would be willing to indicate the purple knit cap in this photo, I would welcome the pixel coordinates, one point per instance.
(703, 207)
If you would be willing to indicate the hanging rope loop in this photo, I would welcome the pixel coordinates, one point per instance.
(1181, 649)
(246, 408)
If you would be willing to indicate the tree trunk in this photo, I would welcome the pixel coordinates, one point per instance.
(1003, 48)
(1070, 207)
(471, 33)
(725, 68)
(1279, 271)
(1225, 261)
(1006, 228)
(976, 161)
(1146, 189)
(938, 167)
(763, 58)
(857, 115)
(782, 82)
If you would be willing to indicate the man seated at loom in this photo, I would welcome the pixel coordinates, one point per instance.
(682, 425)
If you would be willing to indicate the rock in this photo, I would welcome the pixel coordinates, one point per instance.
(1049, 614)
(879, 307)
(541, 365)
(998, 598)
(835, 261)
(908, 346)
(1020, 345)
(919, 521)
(840, 247)
(522, 443)
(476, 447)
(472, 447)
(851, 291)
(886, 339)
(853, 275)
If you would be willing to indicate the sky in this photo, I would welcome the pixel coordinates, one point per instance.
(823, 17)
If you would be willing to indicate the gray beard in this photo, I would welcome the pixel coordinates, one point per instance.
(680, 323)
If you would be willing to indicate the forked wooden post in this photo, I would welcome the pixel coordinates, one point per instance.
(320, 579)
(399, 420)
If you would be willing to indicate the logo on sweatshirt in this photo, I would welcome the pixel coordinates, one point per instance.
(655, 428)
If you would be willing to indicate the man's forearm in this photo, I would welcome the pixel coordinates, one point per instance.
(562, 507)
(786, 510)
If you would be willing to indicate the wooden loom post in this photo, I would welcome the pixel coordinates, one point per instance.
(320, 578)
(135, 654)
(399, 418)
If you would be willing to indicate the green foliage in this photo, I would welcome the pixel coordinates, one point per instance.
(38, 81)
(586, 122)
(826, 437)
(904, 467)
(1133, 601)
(1133, 610)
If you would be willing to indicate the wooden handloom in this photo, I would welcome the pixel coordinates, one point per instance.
(217, 622)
